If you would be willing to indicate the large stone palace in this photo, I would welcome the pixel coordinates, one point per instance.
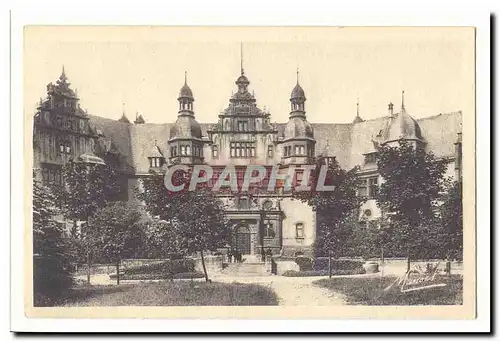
(243, 134)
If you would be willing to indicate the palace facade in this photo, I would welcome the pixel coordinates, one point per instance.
(243, 134)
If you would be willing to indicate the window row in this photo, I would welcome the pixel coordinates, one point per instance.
(156, 162)
(298, 150)
(185, 150)
(65, 147)
(242, 149)
(52, 176)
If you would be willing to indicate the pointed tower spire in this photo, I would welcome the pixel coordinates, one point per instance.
(241, 59)
(357, 118)
(403, 99)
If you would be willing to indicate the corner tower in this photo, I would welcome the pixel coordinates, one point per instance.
(185, 143)
(298, 138)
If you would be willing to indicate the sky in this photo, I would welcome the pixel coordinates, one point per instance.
(141, 69)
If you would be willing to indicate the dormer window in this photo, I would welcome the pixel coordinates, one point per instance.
(156, 161)
(371, 158)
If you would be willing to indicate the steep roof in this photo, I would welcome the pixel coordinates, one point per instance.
(347, 142)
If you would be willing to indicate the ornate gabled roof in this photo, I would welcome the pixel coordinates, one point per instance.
(62, 86)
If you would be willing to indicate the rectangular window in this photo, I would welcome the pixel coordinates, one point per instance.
(243, 203)
(363, 190)
(188, 150)
(370, 158)
(269, 231)
(299, 230)
(233, 149)
(242, 149)
(215, 152)
(296, 150)
(242, 126)
(270, 151)
(183, 150)
(372, 187)
(301, 150)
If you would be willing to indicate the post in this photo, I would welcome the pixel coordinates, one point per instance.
(408, 261)
(261, 230)
(329, 263)
(118, 272)
(88, 268)
(204, 267)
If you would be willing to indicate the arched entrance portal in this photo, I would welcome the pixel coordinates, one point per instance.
(242, 239)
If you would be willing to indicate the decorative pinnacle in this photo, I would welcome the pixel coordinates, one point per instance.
(403, 99)
(185, 77)
(297, 75)
(357, 107)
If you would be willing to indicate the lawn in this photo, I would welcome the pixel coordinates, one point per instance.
(172, 294)
(370, 291)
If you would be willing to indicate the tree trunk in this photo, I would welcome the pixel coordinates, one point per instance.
(88, 268)
(329, 264)
(118, 272)
(408, 261)
(204, 267)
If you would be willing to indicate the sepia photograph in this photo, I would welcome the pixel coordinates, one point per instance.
(288, 171)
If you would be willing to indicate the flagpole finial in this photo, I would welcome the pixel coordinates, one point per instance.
(403, 99)
(297, 75)
(185, 77)
(241, 59)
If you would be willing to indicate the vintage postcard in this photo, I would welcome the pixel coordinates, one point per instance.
(249, 172)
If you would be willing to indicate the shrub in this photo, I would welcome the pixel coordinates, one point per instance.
(159, 276)
(305, 263)
(316, 273)
(165, 267)
(321, 263)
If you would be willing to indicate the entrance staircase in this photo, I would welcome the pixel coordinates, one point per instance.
(251, 266)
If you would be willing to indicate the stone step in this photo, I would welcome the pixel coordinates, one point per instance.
(246, 268)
